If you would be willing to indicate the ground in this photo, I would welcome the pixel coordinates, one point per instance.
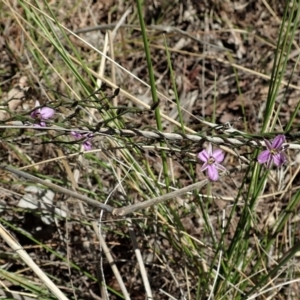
(222, 54)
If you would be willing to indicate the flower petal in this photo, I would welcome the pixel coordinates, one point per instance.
(203, 156)
(264, 156)
(34, 114)
(76, 134)
(268, 145)
(282, 159)
(279, 159)
(204, 167)
(87, 145)
(47, 112)
(212, 173)
(269, 162)
(218, 155)
(278, 141)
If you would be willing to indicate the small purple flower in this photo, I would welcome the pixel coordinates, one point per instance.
(87, 144)
(76, 134)
(212, 160)
(274, 152)
(41, 114)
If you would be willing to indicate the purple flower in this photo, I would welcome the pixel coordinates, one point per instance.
(87, 144)
(212, 160)
(274, 152)
(41, 114)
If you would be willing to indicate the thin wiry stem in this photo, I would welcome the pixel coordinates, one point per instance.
(169, 136)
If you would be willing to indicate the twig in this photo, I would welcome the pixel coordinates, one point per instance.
(57, 188)
(28, 260)
(142, 205)
(115, 211)
(158, 135)
(123, 211)
(140, 261)
(111, 262)
(14, 295)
